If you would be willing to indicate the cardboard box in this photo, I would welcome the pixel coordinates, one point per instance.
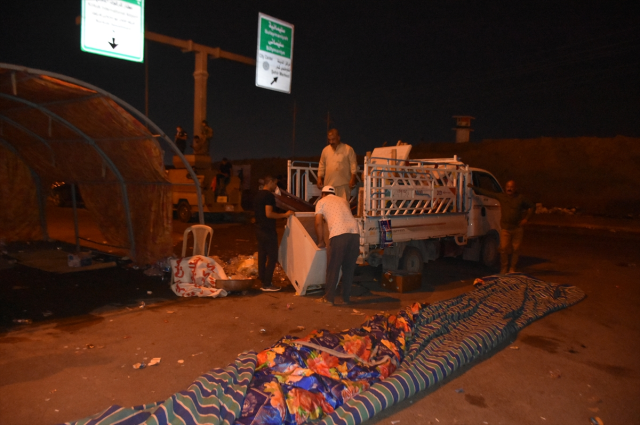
(402, 282)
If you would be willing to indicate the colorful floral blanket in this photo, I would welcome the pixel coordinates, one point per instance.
(348, 377)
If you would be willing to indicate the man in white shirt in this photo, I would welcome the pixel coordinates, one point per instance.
(344, 242)
(338, 165)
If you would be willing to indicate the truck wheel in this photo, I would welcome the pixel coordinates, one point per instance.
(412, 260)
(490, 250)
(184, 211)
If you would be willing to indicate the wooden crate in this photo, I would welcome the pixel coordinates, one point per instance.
(401, 281)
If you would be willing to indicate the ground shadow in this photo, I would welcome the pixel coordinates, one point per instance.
(31, 295)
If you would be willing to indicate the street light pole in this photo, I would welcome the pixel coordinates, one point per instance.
(200, 74)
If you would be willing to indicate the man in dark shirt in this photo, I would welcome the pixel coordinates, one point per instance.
(223, 176)
(264, 204)
(515, 212)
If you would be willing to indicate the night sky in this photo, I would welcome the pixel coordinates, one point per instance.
(385, 71)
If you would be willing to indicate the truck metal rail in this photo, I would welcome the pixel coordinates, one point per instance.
(432, 211)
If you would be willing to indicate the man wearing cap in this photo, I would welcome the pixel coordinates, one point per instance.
(338, 165)
(344, 242)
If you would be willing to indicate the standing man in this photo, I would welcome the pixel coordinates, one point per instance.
(338, 166)
(344, 242)
(199, 146)
(181, 139)
(206, 134)
(223, 176)
(515, 212)
(263, 205)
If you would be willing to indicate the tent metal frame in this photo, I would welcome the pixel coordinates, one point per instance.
(35, 73)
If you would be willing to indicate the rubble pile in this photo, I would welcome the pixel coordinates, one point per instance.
(240, 267)
(540, 209)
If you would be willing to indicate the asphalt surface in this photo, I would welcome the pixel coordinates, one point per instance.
(89, 328)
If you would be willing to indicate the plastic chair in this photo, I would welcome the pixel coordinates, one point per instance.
(202, 236)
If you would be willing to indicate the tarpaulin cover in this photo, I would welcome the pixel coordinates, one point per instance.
(348, 377)
(63, 131)
(18, 202)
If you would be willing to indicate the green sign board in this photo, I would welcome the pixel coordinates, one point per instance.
(113, 28)
(275, 38)
(275, 54)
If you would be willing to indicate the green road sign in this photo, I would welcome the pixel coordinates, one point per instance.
(275, 54)
(113, 28)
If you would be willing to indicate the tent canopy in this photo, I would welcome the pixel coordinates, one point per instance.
(54, 128)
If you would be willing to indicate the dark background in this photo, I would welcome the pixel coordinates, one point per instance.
(384, 70)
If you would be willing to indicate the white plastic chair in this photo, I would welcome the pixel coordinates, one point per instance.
(202, 236)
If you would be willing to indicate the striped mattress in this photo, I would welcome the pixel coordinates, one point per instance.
(349, 377)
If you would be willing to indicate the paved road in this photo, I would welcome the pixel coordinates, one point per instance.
(570, 366)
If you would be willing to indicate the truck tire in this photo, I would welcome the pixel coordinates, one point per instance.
(411, 260)
(490, 253)
(184, 211)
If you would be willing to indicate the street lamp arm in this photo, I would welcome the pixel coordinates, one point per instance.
(189, 46)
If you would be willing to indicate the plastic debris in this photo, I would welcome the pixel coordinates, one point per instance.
(554, 210)
(155, 361)
(263, 330)
(395, 422)
(300, 328)
(23, 321)
(555, 374)
(460, 390)
(514, 347)
(596, 421)
(357, 313)
(90, 346)
(47, 313)
(181, 361)
(142, 304)
(170, 311)
(139, 366)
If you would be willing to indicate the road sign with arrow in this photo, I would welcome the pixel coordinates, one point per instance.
(113, 28)
(275, 54)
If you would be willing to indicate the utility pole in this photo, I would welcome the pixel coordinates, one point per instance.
(146, 83)
(200, 75)
(293, 138)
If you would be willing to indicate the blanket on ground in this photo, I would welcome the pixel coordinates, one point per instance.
(348, 377)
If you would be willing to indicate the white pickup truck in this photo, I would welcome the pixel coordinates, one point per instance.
(432, 212)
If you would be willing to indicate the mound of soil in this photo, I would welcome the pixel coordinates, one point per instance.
(597, 176)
